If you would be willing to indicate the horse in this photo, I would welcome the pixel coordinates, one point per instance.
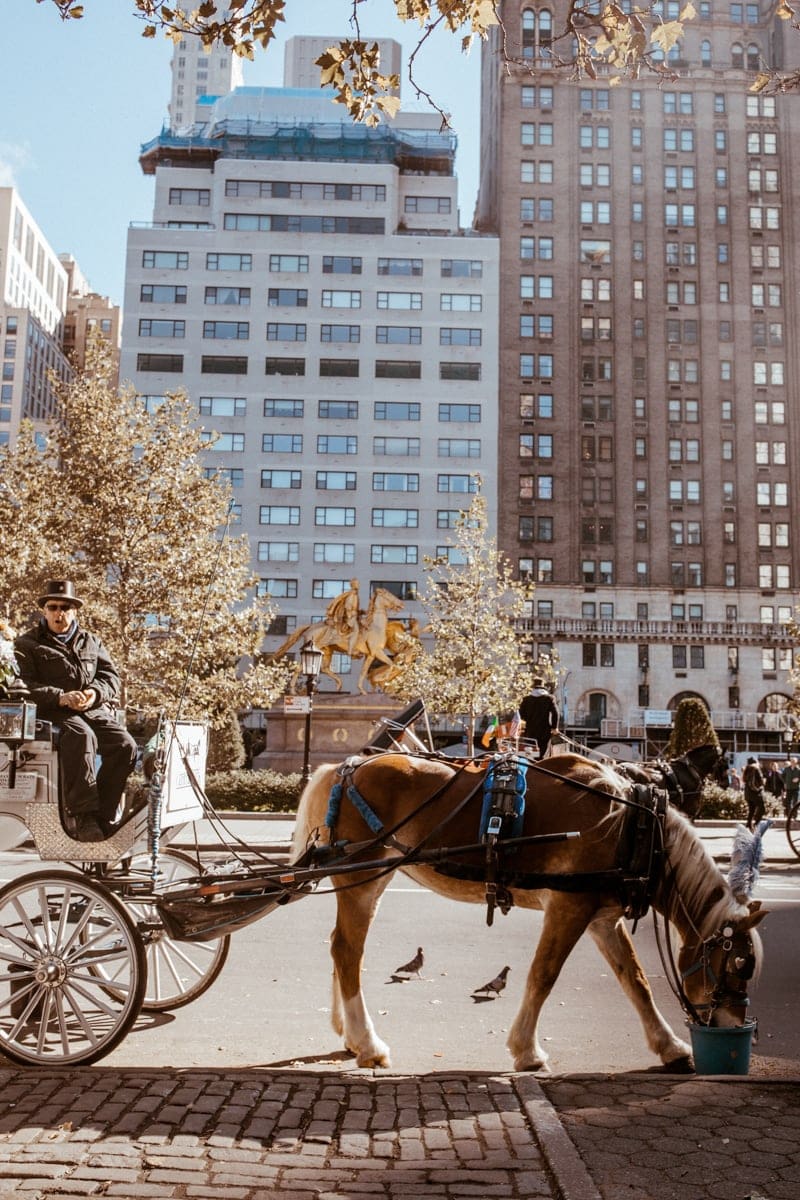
(421, 814)
(370, 643)
(683, 778)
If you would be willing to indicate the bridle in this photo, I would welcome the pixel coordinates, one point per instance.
(728, 962)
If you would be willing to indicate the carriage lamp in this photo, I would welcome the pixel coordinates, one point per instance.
(310, 664)
(17, 726)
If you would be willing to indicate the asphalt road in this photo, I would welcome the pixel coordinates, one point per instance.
(271, 1005)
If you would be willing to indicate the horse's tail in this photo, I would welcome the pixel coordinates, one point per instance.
(313, 807)
(287, 645)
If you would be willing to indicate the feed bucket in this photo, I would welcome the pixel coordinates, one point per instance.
(721, 1051)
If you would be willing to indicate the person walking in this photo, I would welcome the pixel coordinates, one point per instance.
(539, 716)
(791, 783)
(753, 780)
(73, 683)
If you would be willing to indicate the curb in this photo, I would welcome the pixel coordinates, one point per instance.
(565, 1164)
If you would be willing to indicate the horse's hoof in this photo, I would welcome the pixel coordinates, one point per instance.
(374, 1058)
(680, 1066)
(523, 1063)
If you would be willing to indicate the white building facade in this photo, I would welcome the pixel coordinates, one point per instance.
(33, 298)
(306, 282)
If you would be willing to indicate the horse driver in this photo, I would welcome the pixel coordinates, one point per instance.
(342, 613)
(74, 684)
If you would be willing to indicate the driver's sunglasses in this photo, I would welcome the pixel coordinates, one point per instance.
(57, 607)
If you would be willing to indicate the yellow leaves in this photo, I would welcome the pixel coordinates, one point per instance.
(667, 35)
(785, 12)
(760, 82)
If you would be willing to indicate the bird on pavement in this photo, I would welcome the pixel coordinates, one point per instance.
(413, 967)
(495, 986)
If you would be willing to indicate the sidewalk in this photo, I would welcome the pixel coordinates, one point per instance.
(272, 832)
(321, 1135)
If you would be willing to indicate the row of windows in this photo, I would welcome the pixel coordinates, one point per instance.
(383, 410)
(343, 516)
(408, 447)
(283, 189)
(288, 331)
(346, 481)
(329, 368)
(332, 264)
(673, 139)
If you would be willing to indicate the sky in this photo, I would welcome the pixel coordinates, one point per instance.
(78, 99)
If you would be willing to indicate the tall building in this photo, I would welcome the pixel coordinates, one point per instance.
(648, 370)
(33, 296)
(306, 281)
(87, 312)
(199, 76)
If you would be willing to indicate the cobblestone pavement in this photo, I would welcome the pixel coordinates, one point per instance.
(252, 1135)
(325, 1135)
(676, 1138)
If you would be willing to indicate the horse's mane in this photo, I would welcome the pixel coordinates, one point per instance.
(694, 883)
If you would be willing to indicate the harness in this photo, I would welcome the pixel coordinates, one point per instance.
(634, 878)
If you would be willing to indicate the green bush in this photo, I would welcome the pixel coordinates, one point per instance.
(722, 804)
(254, 791)
(726, 804)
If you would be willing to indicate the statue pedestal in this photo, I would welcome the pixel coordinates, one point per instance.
(340, 725)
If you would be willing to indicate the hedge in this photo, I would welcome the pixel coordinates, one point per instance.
(254, 791)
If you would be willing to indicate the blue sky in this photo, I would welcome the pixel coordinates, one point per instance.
(77, 100)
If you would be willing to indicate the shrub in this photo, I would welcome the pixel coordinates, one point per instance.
(721, 804)
(692, 727)
(254, 791)
(226, 751)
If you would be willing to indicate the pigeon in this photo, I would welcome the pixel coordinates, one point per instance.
(414, 966)
(495, 986)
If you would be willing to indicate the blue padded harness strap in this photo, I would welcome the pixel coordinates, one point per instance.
(490, 786)
(344, 784)
(334, 805)
(359, 803)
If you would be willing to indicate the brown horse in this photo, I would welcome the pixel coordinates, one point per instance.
(397, 807)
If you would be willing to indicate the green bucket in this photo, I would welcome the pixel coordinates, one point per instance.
(722, 1051)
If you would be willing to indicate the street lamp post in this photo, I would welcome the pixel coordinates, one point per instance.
(310, 664)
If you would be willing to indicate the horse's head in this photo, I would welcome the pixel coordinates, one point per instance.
(691, 771)
(715, 973)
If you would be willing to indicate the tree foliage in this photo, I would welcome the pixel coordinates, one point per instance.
(119, 501)
(692, 727)
(477, 663)
(587, 38)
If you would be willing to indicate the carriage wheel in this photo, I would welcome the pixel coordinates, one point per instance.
(177, 972)
(56, 929)
(793, 828)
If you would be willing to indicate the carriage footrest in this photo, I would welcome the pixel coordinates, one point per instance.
(52, 843)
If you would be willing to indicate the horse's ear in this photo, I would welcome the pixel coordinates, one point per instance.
(755, 916)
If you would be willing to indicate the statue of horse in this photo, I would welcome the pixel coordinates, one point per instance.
(423, 814)
(369, 645)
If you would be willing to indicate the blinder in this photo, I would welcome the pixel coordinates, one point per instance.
(728, 962)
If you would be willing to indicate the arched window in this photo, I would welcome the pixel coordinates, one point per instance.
(753, 57)
(597, 708)
(675, 53)
(737, 56)
(528, 33)
(545, 32)
(705, 53)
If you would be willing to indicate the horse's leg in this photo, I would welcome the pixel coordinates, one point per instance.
(615, 944)
(355, 908)
(565, 919)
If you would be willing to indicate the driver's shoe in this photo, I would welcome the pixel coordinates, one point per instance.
(84, 827)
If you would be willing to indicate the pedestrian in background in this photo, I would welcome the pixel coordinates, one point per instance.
(753, 780)
(791, 783)
(539, 716)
